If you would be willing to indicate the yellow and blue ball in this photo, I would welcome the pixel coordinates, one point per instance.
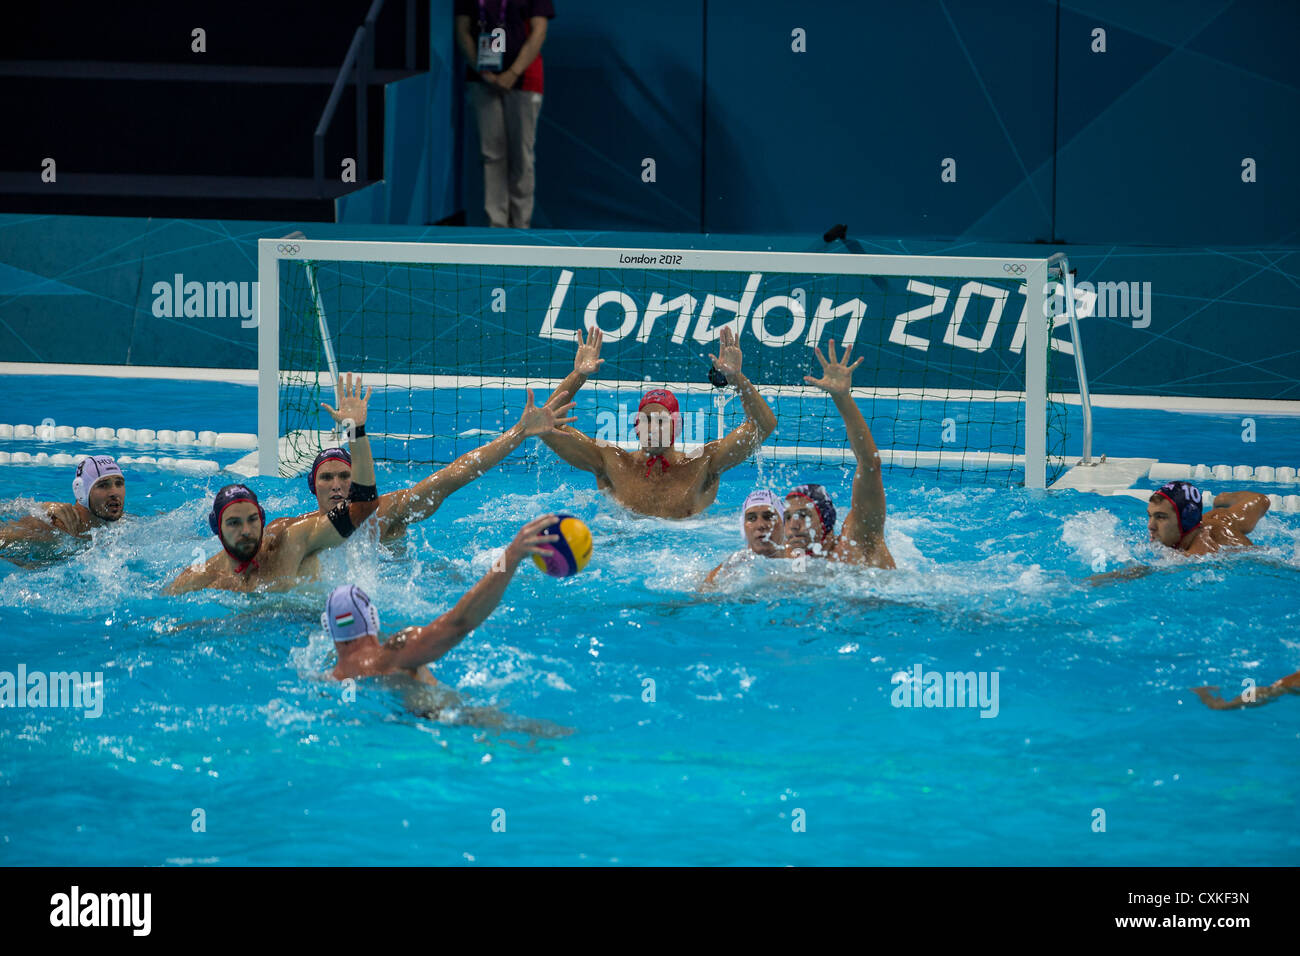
(571, 552)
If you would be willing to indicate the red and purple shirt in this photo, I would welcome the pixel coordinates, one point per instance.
(513, 15)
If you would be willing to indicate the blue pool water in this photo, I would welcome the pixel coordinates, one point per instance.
(772, 697)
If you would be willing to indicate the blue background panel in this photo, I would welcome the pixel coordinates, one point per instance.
(1153, 132)
(855, 129)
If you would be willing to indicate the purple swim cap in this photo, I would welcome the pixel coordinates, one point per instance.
(1186, 499)
(226, 497)
(329, 454)
(821, 501)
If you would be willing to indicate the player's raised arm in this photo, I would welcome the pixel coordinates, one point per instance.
(579, 450)
(585, 364)
(419, 646)
(865, 522)
(311, 534)
(410, 505)
(760, 420)
(1239, 510)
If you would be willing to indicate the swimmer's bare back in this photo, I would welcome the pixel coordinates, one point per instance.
(404, 657)
(425, 697)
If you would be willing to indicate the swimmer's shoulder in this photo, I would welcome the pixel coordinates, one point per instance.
(272, 552)
(384, 662)
(613, 463)
(1204, 541)
(613, 458)
(277, 528)
(190, 579)
(69, 518)
(1228, 535)
(1210, 538)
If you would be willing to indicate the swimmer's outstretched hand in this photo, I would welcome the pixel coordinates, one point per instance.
(837, 374)
(588, 359)
(1121, 574)
(1213, 701)
(729, 357)
(352, 403)
(531, 540)
(1262, 695)
(539, 421)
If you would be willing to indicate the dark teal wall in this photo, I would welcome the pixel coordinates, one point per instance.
(1141, 144)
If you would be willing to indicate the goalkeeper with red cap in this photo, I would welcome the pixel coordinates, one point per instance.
(657, 479)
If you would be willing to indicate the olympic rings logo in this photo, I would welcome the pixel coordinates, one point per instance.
(287, 249)
(1016, 268)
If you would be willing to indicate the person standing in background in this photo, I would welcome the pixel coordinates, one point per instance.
(502, 42)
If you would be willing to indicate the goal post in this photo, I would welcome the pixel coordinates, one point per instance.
(958, 349)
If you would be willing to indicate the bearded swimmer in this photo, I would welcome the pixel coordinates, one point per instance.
(330, 478)
(279, 554)
(809, 511)
(100, 489)
(353, 623)
(657, 479)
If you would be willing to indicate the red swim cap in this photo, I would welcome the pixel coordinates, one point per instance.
(661, 396)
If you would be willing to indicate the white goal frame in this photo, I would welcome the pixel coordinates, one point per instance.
(1034, 272)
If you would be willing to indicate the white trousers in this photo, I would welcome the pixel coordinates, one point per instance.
(507, 129)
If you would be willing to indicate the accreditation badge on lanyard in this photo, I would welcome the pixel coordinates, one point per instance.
(490, 60)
